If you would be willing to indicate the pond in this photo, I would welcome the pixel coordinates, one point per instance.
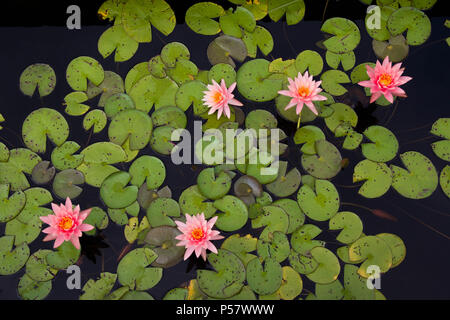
(422, 224)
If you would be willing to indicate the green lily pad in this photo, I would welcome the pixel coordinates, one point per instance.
(295, 214)
(346, 35)
(398, 248)
(96, 173)
(276, 246)
(246, 185)
(12, 260)
(352, 140)
(232, 215)
(384, 147)
(326, 164)
(133, 270)
(342, 114)
(350, 224)
(359, 73)
(63, 156)
(382, 33)
(97, 218)
(444, 180)
(260, 119)
(241, 246)
(118, 102)
(174, 52)
(273, 219)
(161, 140)
(222, 71)
(10, 206)
(346, 59)
(442, 149)
(95, 119)
(441, 129)
(292, 284)
(212, 186)
(111, 85)
(253, 81)
(228, 277)
(30, 289)
(40, 76)
(233, 23)
(133, 124)
(36, 198)
(43, 173)
(330, 291)
(66, 184)
(374, 251)
(116, 39)
(303, 239)
(191, 93)
(98, 289)
(134, 228)
(310, 60)
(328, 268)
(184, 71)
(171, 116)
(308, 135)
(23, 232)
(65, 255)
(396, 48)
(115, 192)
(264, 279)
(355, 285)
(302, 264)
(176, 294)
(148, 169)
(37, 268)
(419, 180)
(43, 123)
(285, 184)
(294, 10)
(4, 152)
(149, 91)
(20, 161)
(199, 18)
(332, 80)
(136, 73)
(163, 243)
(320, 204)
(103, 153)
(160, 211)
(192, 202)
(377, 175)
(260, 38)
(226, 48)
(415, 21)
(82, 69)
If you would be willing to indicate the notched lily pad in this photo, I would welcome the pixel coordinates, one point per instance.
(66, 183)
(40, 76)
(163, 243)
(43, 173)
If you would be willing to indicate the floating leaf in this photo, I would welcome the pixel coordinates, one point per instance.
(328, 268)
(30, 289)
(226, 48)
(37, 268)
(295, 214)
(103, 153)
(74, 105)
(356, 286)
(359, 73)
(321, 204)
(233, 213)
(199, 18)
(265, 279)
(160, 210)
(66, 255)
(374, 250)
(233, 23)
(342, 114)
(66, 183)
(384, 146)
(331, 82)
(10, 206)
(115, 192)
(397, 246)
(136, 73)
(302, 239)
(286, 184)
(96, 119)
(171, 116)
(274, 219)
(82, 69)
(259, 38)
(419, 180)
(176, 294)
(294, 10)
(415, 21)
(118, 102)
(163, 243)
(161, 140)
(63, 156)
(36, 198)
(444, 180)
(191, 200)
(23, 232)
(12, 260)
(43, 123)
(310, 60)
(97, 218)
(346, 35)
(150, 91)
(222, 71)
(241, 246)
(396, 49)
(98, 289)
(329, 291)
(135, 20)
(133, 270)
(350, 224)
(13, 171)
(116, 39)
(212, 186)
(308, 135)
(377, 175)
(326, 164)
(191, 93)
(148, 169)
(111, 85)
(228, 277)
(40, 76)
(380, 33)
(134, 125)
(346, 59)
(276, 246)
(302, 264)
(96, 173)
(42, 173)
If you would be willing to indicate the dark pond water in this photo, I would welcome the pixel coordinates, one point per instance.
(423, 274)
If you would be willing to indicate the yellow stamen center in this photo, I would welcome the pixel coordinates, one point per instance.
(66, 223)
(303, 91)
(385, 79)
(217, 97)
(197, 233)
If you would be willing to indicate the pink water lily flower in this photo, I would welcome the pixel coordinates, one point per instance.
(197, 234)
(303, 90)
(385, 80)
(219, 97)
(66, 224)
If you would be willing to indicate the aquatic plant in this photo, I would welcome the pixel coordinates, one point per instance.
(289, 211)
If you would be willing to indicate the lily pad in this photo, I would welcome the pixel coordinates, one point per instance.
(65, 255)
(350, 224)
(163, 243)
(273, 219)
(96, 173)
(260, 38)
(276, 246)
(103, 153)
(228, 277)
(222, 71)
(226, 48)
(241, 246)
(23, 232)
(328, 268)
(37, 268)
(30, 289)
(133, 270)
(233, 213)
(346, 35)
(40, 76)
(377, 177)
(253, 81)
(303, 239)
(63, 156)
(43, 173)
(294, 10)
(149, 91)
(82, 69)
(97, 218)
(170, 116)
(264, 279)
(133, 124)
(415, 21)
(444, 180)
(136, 73)
(419, 180)
(355, 285)
(384, 147)
(12, 260)
(161, 140)
(98, 289)
(212, 186)
(342, 114)
(295, 214)
(308, 135)
(192, 201)
(66, 184)
(346, 59)
(233, 23)
(286, 183)
(326, 164)
(160, 211)
(332, 80)
(311, 60)
(116, 39)
(320, 204)
(10, 206)
(115, 192)
(95, 119)
(380, 33)
(148, 169)
(199, 18)
(118, 102)
(191, 93)
(13, 171)
(302, 264)
(43, 123)
(396, 48)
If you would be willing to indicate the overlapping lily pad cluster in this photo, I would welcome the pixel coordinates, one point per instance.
(141, 111)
